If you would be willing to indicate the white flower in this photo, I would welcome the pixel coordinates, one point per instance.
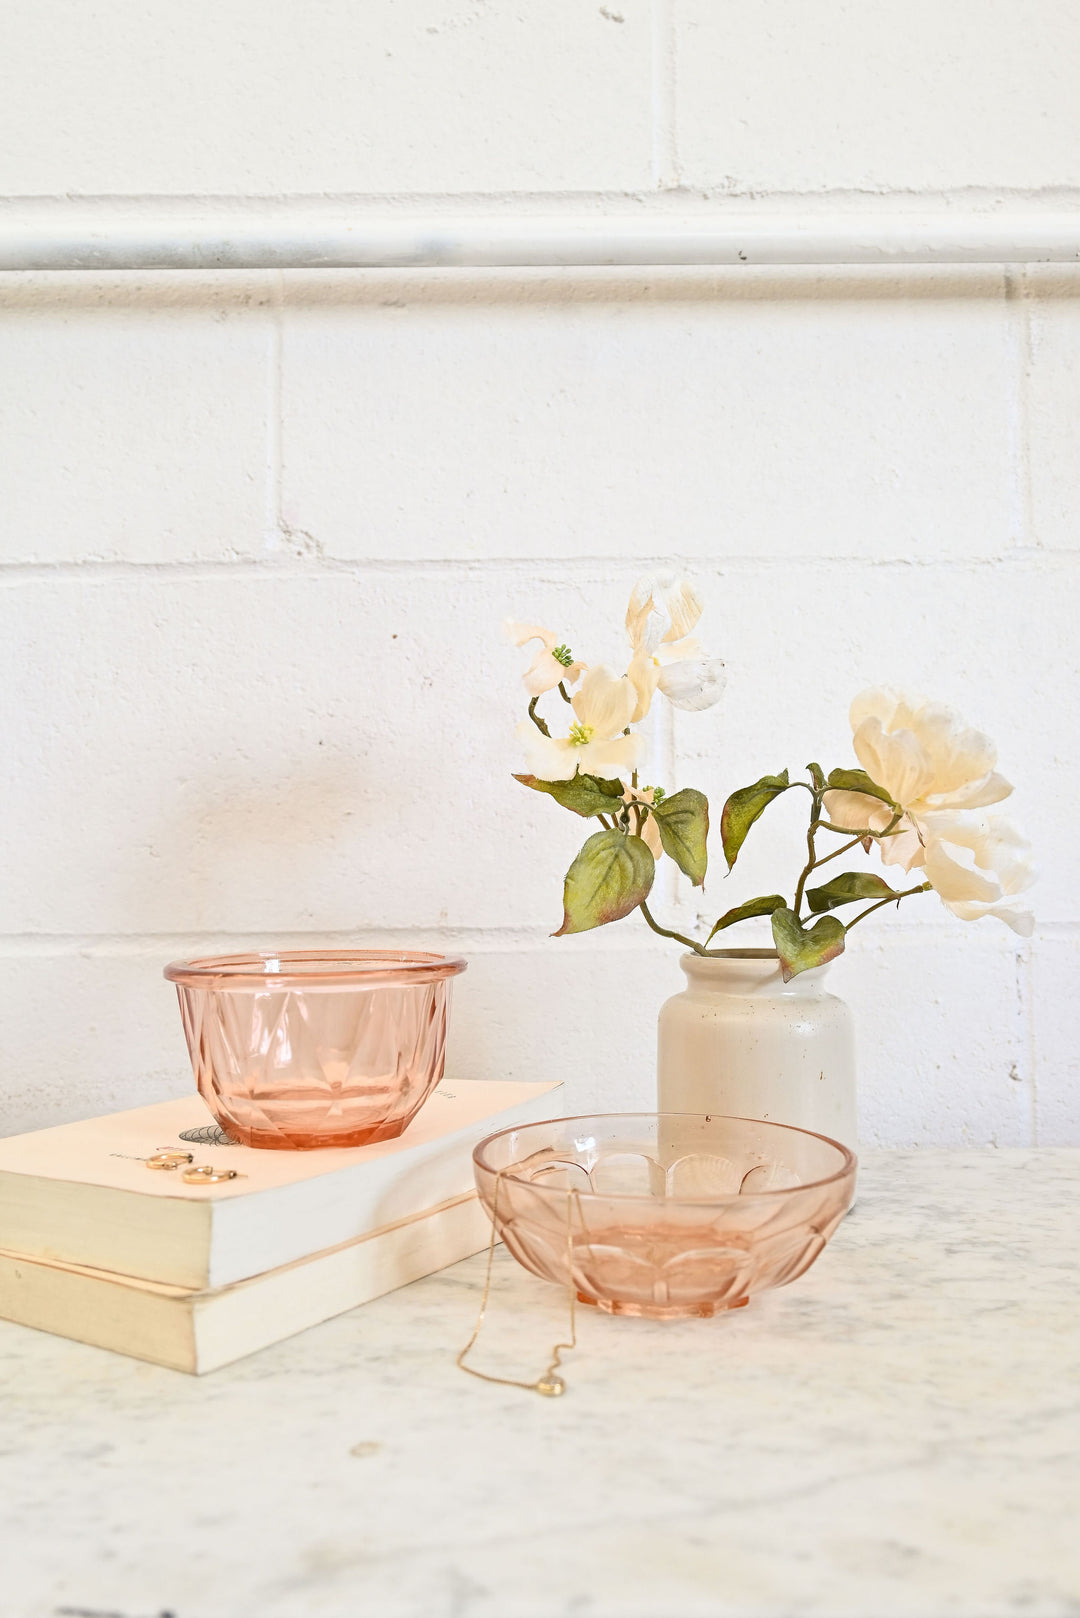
(925, 758)
(663, 610)
(979, 864)
(596, 744)
(662, 607)
(552, 662)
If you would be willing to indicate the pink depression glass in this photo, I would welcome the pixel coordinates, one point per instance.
(308, 1048)
(664, 1214)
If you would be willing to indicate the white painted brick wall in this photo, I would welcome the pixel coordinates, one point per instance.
(257, 532)
(133, 418)
(883, 96)
(650, 416)
(228, 96)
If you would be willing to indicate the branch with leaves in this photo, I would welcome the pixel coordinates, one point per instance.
(916, 800)
(799, 943)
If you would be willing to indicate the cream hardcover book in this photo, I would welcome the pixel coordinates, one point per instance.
(198, 1331)
(80, 1194)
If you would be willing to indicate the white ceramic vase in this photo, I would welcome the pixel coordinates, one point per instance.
(741, 1041)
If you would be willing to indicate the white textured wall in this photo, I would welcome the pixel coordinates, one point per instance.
(257, 532)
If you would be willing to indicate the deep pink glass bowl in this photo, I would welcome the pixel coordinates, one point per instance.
(664, 1214)
(305, 1048)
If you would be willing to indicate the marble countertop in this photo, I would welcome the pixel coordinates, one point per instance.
(897, 1434)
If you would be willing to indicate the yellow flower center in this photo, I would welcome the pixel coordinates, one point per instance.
(580, 735)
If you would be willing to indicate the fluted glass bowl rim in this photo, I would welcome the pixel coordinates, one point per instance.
(848, 1166)
(314, 969)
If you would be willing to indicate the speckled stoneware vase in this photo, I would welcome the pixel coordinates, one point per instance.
(739, 1040)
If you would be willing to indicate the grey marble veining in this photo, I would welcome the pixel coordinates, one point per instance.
(896, 1435)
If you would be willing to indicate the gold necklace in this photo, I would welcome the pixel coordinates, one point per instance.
(550, 1385)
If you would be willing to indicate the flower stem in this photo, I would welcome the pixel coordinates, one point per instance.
(811, 833)
(836, 853)
(891, 830)
(665, 932)
(817, 825)
(536, 719)
(894, 898)
(564, 693)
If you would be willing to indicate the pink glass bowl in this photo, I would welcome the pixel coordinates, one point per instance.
(316, 1047)
(664, 1214)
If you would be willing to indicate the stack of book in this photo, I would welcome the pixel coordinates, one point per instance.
(97, 1246)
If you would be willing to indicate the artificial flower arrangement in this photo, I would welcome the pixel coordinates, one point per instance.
(917, 798)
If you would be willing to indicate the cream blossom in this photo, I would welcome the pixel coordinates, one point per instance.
(596, 744)
(552, 663)
(926, 759)
(978, 865)
(650, 831)
(662, 607)
(663, 610)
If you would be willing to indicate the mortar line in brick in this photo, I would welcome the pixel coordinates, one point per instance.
(543, 568)
(669, 752)
(1019, 426)
(1014, 410)
(45, 946)
(665, 156)
(1031, 538)
(946, 197)
(1025, 983)
(29, 944)
(274, 525)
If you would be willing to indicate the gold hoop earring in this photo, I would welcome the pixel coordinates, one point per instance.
(168, 1161)
(206, 1174)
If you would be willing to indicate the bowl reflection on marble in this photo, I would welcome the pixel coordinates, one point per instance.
(664, 1214)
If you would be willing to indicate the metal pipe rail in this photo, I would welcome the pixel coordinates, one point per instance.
(73, 236)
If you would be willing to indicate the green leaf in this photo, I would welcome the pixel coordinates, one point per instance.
(743, 912)
(801, 948)
(858, 781)
(584, 794)
(609, 878)
(743, 808)
(844, 890)
(683, 824)
(817, 775)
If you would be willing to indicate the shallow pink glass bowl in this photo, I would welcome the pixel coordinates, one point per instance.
(303, 1048)
(664, 1214)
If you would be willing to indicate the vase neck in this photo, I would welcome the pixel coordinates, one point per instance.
(750, 972)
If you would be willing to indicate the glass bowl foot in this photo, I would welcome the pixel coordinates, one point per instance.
(662, 1311)
(301, 1139)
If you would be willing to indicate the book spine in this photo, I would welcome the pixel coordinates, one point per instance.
(201, 1331)
(240, 1319)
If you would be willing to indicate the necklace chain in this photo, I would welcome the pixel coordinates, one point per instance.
(550, 1384)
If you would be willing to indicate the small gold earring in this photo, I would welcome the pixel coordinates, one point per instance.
(168, 1160)
(206, 1174)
